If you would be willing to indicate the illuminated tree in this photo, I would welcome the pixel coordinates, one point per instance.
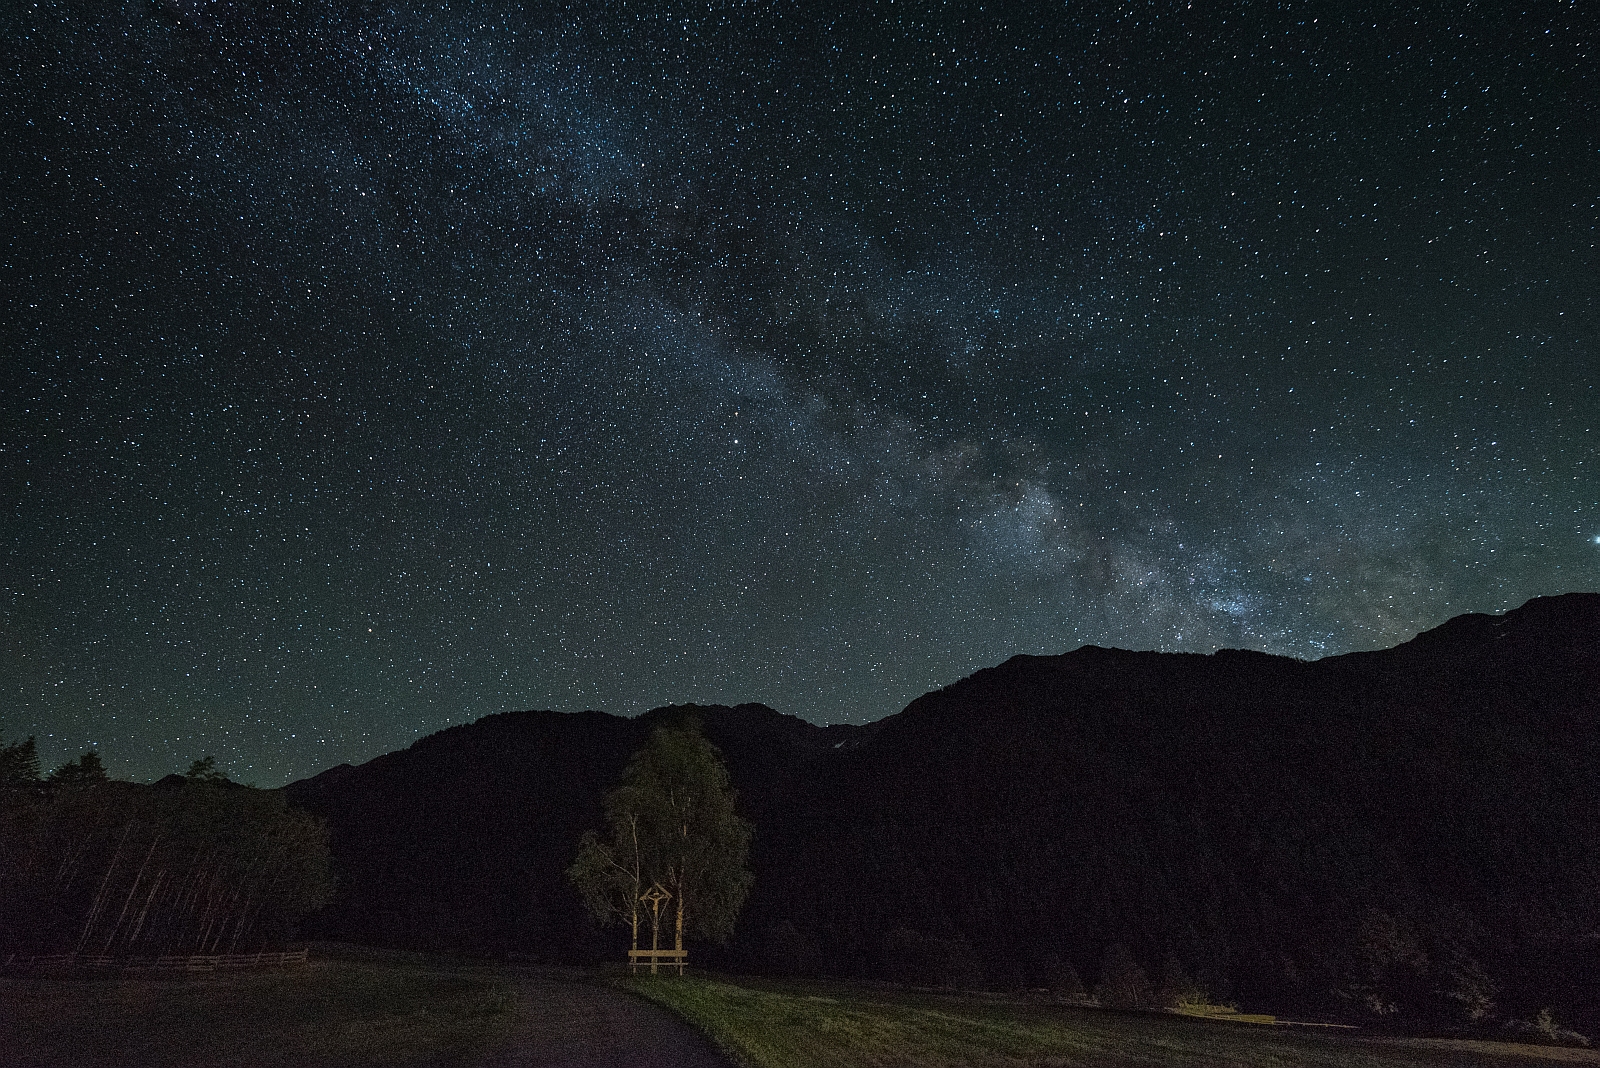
(610, 875)
(671, 823)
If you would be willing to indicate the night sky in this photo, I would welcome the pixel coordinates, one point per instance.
(369, 368)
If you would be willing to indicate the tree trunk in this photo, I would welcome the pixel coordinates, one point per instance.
(238, 928)
(655, 934)
(638, 875)
(127, 902)
(94, 910)
(139, 925)
(677, 942)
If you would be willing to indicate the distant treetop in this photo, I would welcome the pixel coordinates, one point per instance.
(84, 771)
(19, 763)
(205, 770)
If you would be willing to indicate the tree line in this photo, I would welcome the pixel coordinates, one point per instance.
(194, 864)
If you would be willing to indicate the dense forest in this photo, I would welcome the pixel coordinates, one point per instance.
(1403, 836)
(192, 864)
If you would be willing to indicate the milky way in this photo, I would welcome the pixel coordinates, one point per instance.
(371, 368)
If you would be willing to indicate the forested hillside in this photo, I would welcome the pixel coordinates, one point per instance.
(189, 865)
(1405, 834)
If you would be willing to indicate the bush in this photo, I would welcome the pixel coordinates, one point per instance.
(1123, 984)
(1175, 987)
(1544, 1031)
(1067, 983)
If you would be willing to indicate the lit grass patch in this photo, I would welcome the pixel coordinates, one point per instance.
(1226, 1014)
(770, 1025)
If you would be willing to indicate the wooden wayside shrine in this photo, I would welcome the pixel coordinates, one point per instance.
(655, 956)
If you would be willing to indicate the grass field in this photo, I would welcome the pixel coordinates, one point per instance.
(342, 1011)
(771, 1025)
(352, 1008)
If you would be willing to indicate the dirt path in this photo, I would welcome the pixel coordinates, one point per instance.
(590, 1025)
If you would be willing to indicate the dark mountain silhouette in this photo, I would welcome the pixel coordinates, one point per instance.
(461, 842)
(1405, 834)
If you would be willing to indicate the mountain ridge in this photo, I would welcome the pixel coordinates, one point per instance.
(1255, 817)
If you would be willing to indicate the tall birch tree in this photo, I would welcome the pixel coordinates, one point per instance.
(671, 821)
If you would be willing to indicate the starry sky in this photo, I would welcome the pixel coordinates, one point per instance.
(372, 367)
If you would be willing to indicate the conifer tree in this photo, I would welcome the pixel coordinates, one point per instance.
(85, 771)
(19, 763)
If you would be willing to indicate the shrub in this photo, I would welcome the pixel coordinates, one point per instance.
(1123, 984)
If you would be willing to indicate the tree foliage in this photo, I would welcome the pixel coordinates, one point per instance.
(205, 770)
(19, 763)
(84, 771)
(1175, 987)
(670, 822)
(610, 875)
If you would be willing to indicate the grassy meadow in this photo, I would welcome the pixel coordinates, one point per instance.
(347, 1011)
(773, 1025)
(352, 1008)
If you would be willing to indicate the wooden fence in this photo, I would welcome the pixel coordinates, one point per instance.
(195, 962)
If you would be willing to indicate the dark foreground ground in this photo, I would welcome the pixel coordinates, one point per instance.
(350, 1009)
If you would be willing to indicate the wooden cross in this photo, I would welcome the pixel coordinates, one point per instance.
(655, 897)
